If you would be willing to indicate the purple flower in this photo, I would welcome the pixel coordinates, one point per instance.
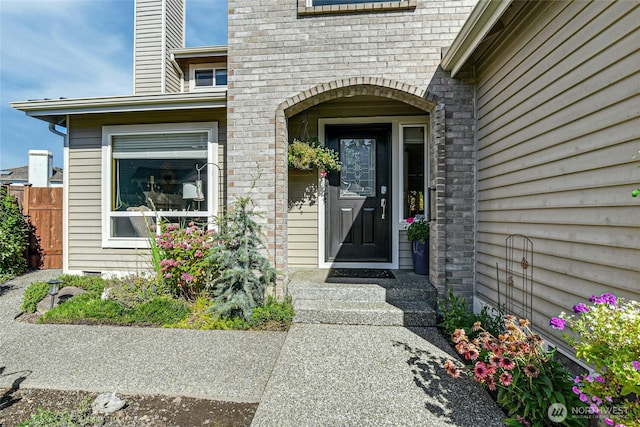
(636, 365)
(599, 379)
(597, 400)
(609, 421)
(608, 399)
(580, 308)
(576, 380)
(605, 298)
(594, 408)
(576, 390)
(583, 397)
(589, 378)
(557, 323)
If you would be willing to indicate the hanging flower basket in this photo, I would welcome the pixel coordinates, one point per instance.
(304, 155)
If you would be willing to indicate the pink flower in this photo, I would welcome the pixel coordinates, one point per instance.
(505, 379)
(491, 383)
(323, 174)
(410, 220)
(480, 370)
(187, 277)
(507, 363)
(198, 253)
(472, 354)
(167, 276)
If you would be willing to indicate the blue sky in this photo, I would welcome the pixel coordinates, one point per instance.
(73, 49)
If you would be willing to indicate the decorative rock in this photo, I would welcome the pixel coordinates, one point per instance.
(63, 295)
(107, 403)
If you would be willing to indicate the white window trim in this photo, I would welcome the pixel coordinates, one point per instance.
(212, 171)
(399, 223)
(209, 66)
(403, 220)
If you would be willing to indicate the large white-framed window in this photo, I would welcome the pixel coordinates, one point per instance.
(157, 172)
(414, 172)
(207, 76)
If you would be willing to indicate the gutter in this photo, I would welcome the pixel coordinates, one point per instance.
(46, 109)
(483, 17)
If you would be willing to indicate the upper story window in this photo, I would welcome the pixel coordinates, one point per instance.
(208, 76)
(321, 7)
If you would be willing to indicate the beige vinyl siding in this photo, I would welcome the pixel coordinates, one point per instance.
(152, 45)
(558, 124)
(85, 186)
(174, 40)
(302, 221)
(405, 260)
(148, 47)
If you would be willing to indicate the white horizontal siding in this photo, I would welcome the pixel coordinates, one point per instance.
(558, 105)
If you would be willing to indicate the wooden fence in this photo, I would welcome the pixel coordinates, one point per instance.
(44, 208)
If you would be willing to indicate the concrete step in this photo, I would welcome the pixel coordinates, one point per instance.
(337, 292)
(407, 300)
(407, 313)
(348, 313)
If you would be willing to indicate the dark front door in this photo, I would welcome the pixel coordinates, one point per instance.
(358, 217)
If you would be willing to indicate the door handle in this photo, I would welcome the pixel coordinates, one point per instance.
(383, 205)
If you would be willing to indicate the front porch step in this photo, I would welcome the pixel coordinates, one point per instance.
(408, 300)
(363, 313)
(337, 292)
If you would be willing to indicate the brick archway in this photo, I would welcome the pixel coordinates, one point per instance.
(372, 86)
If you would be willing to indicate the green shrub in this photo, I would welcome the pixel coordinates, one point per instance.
(455, 315)
(14, 236)
(184, 267)
(271, 313)
(159, 311)
(86, 308)
(132, 290)
(242, 271)
(38, 290)
(33, 295)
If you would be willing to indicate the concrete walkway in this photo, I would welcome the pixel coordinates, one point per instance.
(324, 375)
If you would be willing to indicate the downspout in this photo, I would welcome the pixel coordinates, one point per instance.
(52, 129)
(172, 59)
(65, 192)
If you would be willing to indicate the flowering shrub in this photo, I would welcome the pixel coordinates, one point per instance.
(184, 266)
(523, 374)
(608, 336)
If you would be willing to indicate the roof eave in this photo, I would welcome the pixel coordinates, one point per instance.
(51, 110)
(482, 18)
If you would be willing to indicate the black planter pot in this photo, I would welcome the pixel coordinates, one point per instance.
(420, 253)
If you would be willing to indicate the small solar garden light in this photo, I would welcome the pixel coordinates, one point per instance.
(54, 285)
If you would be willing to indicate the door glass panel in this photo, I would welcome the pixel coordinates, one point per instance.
(358, 172)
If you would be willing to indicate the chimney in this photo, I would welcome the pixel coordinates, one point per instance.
(158, 28)
(40, 168)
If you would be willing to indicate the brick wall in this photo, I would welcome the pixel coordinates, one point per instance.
(276, 54)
